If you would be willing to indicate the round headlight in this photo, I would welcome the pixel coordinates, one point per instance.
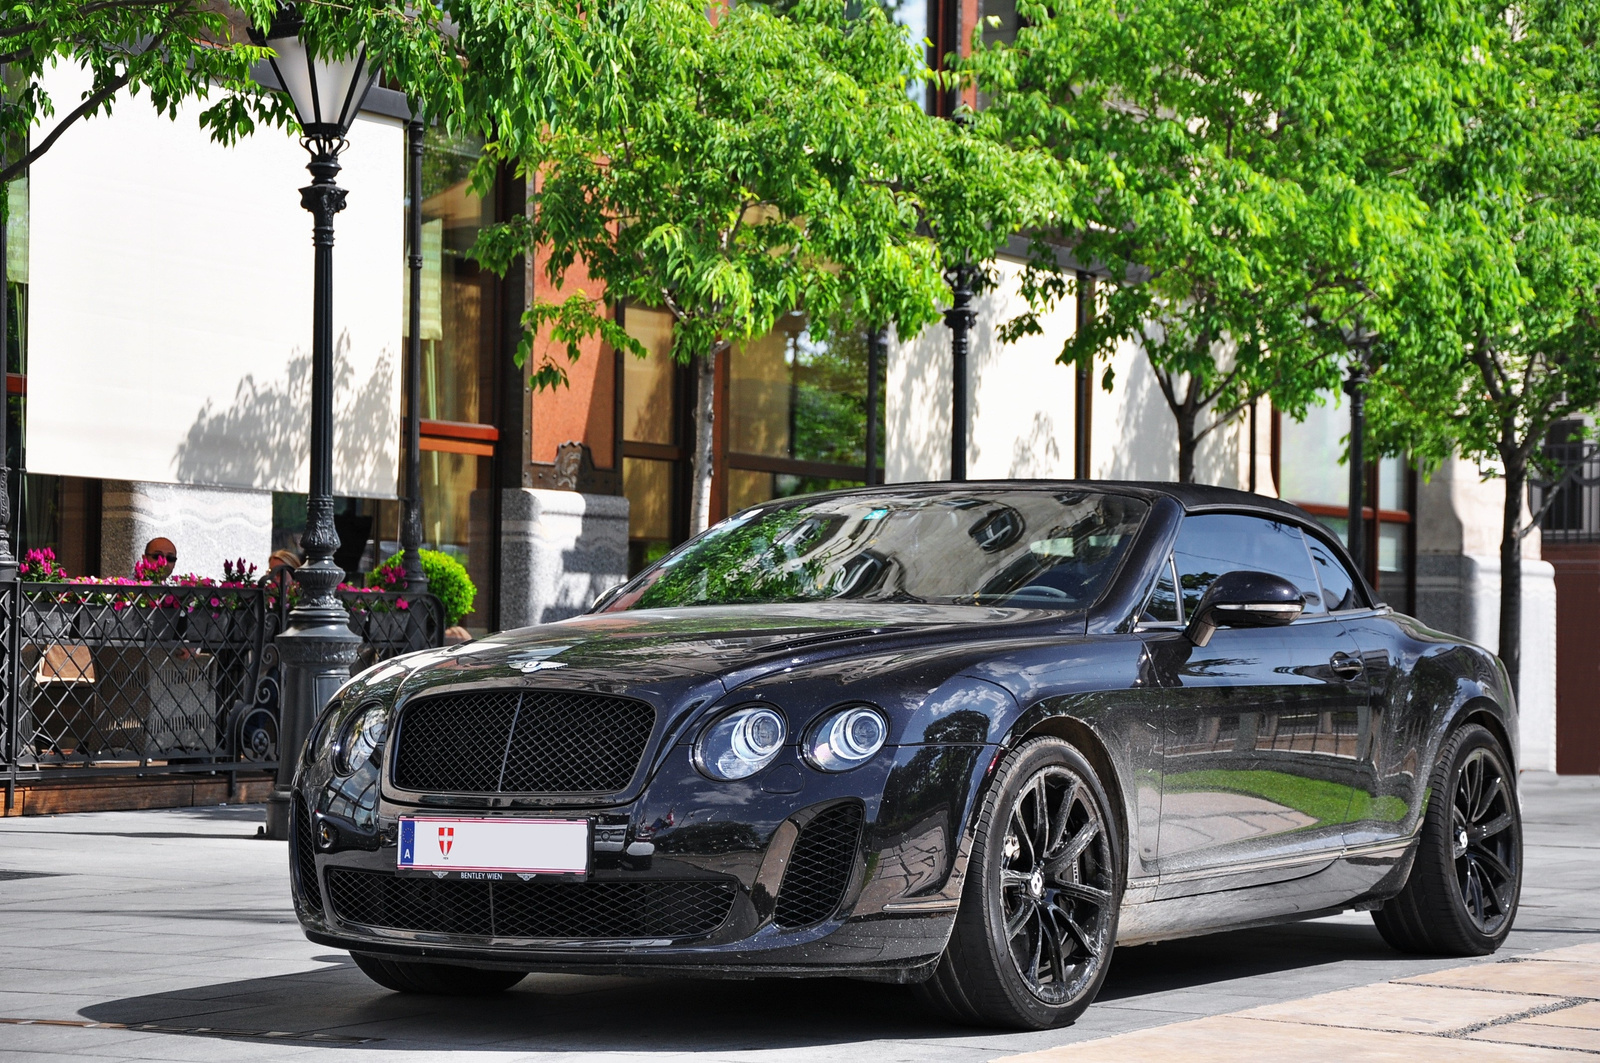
(847, 738)
(360, 736)
(740, 744)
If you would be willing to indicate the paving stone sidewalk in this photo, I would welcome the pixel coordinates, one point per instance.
(1540, 1008)
(168, 936)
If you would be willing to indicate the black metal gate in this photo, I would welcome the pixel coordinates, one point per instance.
(137, 679)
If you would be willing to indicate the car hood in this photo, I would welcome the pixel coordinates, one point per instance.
(656, 650)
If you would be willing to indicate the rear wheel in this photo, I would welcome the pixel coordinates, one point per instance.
(1038, 916)
(1462, 895)
(435, 979)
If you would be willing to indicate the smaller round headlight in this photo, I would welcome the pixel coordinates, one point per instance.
(847, 738)
(740, 743)
(360, 736)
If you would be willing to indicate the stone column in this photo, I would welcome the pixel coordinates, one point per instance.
(558, 551)
(1458, 591)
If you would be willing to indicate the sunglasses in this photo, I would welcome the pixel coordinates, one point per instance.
(157, 555)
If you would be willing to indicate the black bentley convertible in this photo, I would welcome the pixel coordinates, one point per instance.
(968, 736)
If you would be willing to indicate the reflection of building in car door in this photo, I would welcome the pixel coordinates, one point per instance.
(1260, 724)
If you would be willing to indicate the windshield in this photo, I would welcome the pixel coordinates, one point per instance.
(1030, 549)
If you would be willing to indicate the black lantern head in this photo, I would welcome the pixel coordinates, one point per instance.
(326, 93)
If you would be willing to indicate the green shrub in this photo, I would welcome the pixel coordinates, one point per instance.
(447, 581)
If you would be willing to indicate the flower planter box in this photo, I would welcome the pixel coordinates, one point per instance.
(44, 625)
(218, 628)
(387, 629)
(130, 623)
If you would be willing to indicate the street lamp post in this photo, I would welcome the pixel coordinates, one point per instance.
(318, 647)
(411, 507)
(1360, 341)
(8, 562)
(877, 349)
(959, 318)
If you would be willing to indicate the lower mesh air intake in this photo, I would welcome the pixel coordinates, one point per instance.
(819, 867)
(565, 910)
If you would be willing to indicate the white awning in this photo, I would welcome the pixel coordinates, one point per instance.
(170, 303)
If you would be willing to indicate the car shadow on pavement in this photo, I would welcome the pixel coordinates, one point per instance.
(620, 1014)
(1212, 958)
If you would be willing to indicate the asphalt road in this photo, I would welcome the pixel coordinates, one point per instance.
(168, 935)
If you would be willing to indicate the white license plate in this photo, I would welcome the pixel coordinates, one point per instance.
(500, 845)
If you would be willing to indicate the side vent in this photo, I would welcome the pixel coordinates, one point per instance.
(819, 868)
(303, 858)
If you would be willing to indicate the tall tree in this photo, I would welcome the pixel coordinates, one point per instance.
(1519, 205)
(1239, 191)
(733, 170)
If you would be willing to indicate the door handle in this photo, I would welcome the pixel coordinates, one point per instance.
(1345, 666)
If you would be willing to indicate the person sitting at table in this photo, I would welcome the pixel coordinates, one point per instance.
(282, 559)
(160, 559)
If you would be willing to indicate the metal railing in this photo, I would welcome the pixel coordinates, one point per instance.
(1566, 502)
(120, 679)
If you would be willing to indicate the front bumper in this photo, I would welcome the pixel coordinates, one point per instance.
(767, 845)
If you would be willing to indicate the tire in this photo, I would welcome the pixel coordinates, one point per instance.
(1033, 938)
(435, 979)
(1461, 896)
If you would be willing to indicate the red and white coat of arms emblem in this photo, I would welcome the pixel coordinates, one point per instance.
(447, 838)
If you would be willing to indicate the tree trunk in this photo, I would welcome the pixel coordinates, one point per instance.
(1188, 443)
(1511, 570)
(702, 461)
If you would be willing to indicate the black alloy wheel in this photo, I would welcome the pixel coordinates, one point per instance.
(1461, 897)
(1482, 827)
(435, 979)
(1038, 917)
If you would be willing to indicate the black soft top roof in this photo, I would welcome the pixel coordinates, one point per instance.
(1192, 497)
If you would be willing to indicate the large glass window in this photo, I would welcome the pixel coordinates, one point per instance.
(458, 369)
(653, 454)
(914, 16)
(797, 414)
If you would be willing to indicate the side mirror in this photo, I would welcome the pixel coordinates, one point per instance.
(1244, 599)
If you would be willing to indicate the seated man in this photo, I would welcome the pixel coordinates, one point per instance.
(160, 558)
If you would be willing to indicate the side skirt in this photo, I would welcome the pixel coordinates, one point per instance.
(1359, 879)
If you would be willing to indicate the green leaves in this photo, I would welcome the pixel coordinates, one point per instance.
(733, 171)
(166, 50)
(1241, 168)
(1504, 340)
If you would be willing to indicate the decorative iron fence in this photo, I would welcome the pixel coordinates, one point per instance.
(1567, 502)
(107, 679)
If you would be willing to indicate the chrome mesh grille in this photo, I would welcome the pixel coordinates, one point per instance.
(819, 867)
(566, 910)
(535, 741)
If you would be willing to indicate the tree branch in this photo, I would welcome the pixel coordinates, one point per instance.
(1489, 370)
(88, 106)
(110, 89)
(1164, 379)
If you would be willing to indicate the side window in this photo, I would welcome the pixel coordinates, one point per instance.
(1163, 604)
(1210, 544)
(1338, 585)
